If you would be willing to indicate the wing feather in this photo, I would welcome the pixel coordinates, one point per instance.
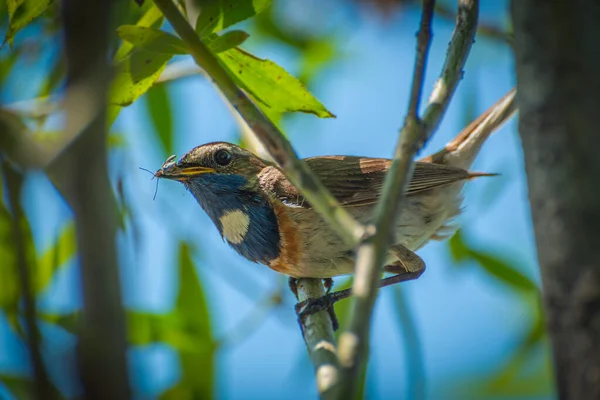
(357, 181)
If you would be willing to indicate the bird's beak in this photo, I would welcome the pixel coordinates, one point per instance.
(174, 172)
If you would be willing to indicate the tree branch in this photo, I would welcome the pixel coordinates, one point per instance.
(278, 147)
(557, 63)
(42, 387)
(81, 174)
(372, 251)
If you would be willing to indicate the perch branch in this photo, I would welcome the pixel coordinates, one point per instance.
(371, 253)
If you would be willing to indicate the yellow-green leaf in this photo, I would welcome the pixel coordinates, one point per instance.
(56, 257)
(228, 41)
(21, 13)
(159, 108)
(217, 15)
(272, 85)
(135, 75)
(152, 39)
(152, 18)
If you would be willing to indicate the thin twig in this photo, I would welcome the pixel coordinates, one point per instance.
(42, 386)
(372, 252)
(276, 144)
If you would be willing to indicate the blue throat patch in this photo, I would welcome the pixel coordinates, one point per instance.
(220, 195)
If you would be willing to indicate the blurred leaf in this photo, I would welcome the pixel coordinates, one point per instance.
(217, 15)
(415, 368)
(9, 285)
(159, 108)
(21, 13)
(197, 366)
(458, 248)
(152, 18)
(228, 41)
(342, 308)
(502, 270)
(66, 321)
(54, 78)
(152, 39)
(55, 257)
(135, 75)
(19, 386)
(271, 84)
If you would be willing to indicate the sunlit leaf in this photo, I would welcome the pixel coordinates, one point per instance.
(152, 18)
(56, 257)
(152, 39)
(217, 15)
(272, 85)
(21, 13)
(159, 108)
(228, 41)
(135, 75)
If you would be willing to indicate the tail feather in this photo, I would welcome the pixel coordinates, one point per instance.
(463, 149)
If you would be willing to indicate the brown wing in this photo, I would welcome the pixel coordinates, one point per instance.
(356, 181)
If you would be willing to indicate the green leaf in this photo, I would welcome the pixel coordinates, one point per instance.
(269, 83)
(21, 13)
(459, 251)
(19, 386)
(191, 307)
(228, 41)
(55, 257)
(502, 270)
(9, 288)
(159, 108)
(135, 75)
(68, 322)
(152, 18)
(152, 39)
(217, 15)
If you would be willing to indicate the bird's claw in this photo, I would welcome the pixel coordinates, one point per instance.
(311, 306)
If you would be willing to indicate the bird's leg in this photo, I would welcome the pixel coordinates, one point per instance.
(408, 267)
(328, 283)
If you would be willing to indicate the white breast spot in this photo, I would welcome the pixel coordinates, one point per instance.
(235, 225)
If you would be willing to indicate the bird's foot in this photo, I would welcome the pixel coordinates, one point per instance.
(311, 306)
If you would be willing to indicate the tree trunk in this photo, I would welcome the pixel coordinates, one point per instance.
(558, 76)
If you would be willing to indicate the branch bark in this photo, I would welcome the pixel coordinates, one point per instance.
(557, 64)
(82, 175)
(371, 253)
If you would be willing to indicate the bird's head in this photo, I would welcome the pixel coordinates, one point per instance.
(212, 162)
(224, 180)
(219, 174)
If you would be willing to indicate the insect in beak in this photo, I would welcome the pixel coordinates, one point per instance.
(160, 173)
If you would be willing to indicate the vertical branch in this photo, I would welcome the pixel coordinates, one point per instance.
(557, 64)
(82, 175)
(42, 387)
(318, 336)
(371, 253)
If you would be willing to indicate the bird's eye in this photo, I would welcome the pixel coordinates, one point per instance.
(222, 157)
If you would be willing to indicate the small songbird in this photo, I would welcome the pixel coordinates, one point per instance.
(264, 217)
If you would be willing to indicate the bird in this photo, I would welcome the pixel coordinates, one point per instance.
(267, 220)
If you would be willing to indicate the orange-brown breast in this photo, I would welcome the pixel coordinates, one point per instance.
(289, 256)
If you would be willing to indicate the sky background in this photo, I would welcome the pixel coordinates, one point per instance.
(468, 324)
